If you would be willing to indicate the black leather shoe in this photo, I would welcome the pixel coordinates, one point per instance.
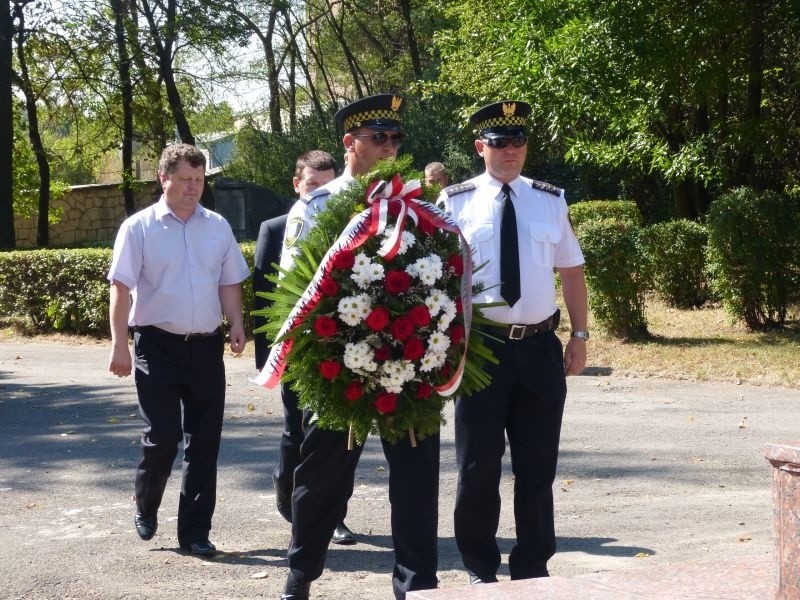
(475, 580)
(343, 536)
(200, 548)
(145, 526)
(296, 589)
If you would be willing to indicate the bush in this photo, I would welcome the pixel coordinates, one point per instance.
(615, 276)
(597, 210)
(57, 290)
(67, 290)
(753, 256)
(675, 255)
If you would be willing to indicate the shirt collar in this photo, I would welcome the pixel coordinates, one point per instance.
(496, 185)
(162, 210)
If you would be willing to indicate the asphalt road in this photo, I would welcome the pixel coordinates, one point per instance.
(652, 471)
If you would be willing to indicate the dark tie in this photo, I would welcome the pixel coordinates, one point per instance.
(509, 251)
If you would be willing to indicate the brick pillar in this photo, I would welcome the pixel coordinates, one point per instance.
(785, 460)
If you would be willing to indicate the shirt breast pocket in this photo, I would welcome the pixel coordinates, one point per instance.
(544, 239)
(481, 242)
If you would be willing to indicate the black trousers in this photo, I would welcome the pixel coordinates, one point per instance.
(291, 439)
(524, 401)
(181, 389)
(324, 483)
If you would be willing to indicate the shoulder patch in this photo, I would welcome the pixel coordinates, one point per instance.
(458, 188)
(294, 227)
(546, 187)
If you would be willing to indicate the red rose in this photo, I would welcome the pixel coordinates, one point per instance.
(325, 326)
(414, 349)
(329, 369)
(426, 227)
(402, 328)
(456, 334)
(386, 403)
(445, 371)
(378, 318)
(456, 263)
(344, 260)
(459, 306)
(353, 391)
(397, 282)
(424, 390)
(420, 315)
(383, 353)
(328, 287)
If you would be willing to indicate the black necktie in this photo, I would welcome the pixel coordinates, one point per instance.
(509, 251)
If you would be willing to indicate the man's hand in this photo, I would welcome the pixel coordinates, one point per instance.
(120, 362)
(575, 356)
(238, 339)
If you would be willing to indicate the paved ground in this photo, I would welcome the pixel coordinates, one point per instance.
(652, 473)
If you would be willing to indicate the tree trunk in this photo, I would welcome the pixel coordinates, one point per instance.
(413, 47)
(163, 49)
(120, 10)
(24, 83)
(7, 236)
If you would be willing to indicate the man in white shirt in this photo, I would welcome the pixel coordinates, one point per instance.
(520, 229)
(183, 268)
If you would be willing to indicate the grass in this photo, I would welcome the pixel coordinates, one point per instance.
(699, 345)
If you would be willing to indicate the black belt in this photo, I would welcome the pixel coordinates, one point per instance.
(517, 332)
(186, 337)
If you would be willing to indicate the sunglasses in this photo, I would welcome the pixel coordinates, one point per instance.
(501, 142)
(379, 138)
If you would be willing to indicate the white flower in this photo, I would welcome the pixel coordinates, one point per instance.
(407, 239)
(427, 269)
(395, 373)
(354, 309)
(438, 342)
(448, 314)
(365, 271)
(432, 360)
(359, 357)
(435, 301)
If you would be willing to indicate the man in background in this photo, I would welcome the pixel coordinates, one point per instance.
(312, 170)
(183, 267)
(436, 172)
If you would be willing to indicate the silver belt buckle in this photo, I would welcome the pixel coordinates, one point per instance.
(516, 332)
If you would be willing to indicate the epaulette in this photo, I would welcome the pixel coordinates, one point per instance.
(458, 188)
(317, 193)
(546, 187)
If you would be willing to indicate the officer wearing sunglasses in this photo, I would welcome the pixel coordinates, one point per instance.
(519, 228)
(323, 481)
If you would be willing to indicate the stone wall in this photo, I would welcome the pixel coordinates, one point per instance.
(89, 213)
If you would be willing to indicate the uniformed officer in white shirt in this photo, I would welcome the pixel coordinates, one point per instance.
(525, 399)
(323, 481)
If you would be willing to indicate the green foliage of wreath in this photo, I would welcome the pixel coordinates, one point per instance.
(418, 412)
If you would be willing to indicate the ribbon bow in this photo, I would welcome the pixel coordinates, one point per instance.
(380, 195)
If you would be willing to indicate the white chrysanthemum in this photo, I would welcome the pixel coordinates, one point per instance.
(407, 239)
(432, 360)
(435, 301)
(438, 342)
(354, 309)
(427, 269)
(395, 373)
(448, 314)
(359, 357)
(365, 271)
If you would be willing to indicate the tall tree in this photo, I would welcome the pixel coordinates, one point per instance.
(120, 10)
(7, 237)
(24, 82)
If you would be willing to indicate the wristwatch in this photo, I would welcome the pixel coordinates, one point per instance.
(584, 335)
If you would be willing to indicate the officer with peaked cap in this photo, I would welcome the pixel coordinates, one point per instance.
(525, 400)
(371, 130)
